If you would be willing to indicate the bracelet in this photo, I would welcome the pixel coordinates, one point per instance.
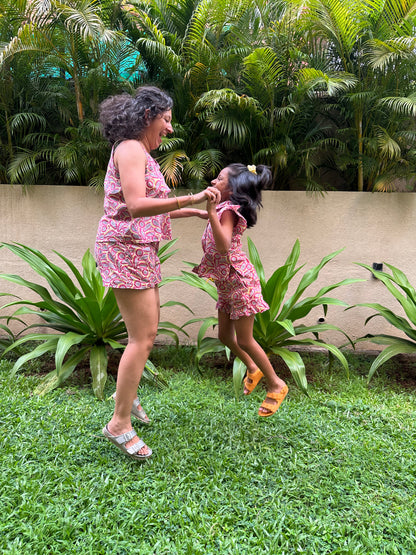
(177, 202)
(192, 197)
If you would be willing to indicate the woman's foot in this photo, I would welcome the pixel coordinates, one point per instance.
(273, 401)
(145, 451)
(251, 380)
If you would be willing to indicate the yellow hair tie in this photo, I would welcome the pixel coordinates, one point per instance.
(252, 169)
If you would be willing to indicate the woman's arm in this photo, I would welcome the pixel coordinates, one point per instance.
(130, 160)
(188, 212)
(222, 230)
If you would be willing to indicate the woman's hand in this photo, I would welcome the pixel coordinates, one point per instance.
(203, 214)
(188, 212)
(210, 194)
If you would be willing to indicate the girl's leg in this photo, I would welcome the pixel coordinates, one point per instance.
(247, 343)
(140, 311)
(227, 336)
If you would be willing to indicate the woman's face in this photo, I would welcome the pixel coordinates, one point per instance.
(158, 128)
(221, 183)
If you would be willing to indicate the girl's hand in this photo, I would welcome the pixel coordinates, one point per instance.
(211, 206)
(210, 193)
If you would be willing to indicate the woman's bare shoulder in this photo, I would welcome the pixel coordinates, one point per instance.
(128, 150)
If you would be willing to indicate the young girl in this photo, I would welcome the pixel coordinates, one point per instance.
(239, 291)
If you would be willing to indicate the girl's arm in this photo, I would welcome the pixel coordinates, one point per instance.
(130, 160)
(222, 230)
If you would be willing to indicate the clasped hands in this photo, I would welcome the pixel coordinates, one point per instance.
(213, 196)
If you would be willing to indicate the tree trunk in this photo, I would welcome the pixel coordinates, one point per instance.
(360, 177)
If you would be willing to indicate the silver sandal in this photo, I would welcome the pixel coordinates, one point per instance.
(121, 440)
(137, 412)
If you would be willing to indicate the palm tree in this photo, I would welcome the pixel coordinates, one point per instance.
(74, 62)
(375, 44)
(275, 113)
(302, 85)
(185, 49)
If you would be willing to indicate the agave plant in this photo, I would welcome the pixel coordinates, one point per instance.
(399, 286)
(83, 314)
(275, 330)
(8, 335)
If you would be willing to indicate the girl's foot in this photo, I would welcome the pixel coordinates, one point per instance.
(273, 401)
(251, 380)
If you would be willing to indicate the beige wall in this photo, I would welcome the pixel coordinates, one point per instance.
(371, 228)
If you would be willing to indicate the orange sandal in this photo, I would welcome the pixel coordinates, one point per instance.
(255, 378)
(272, 407)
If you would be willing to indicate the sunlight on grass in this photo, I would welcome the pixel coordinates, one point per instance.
(333, 473)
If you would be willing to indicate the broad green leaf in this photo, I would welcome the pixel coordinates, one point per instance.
(64, 343)
(196, 281)
(89, 266)
(176, 303)
(163, 253)
(151, 375)
(296, 366)
(287, 325)
(255, 260)
(307, 279)
(98, 366)
(208, 345)
(52, 380)
(331, 348)
(39, 289)
(47, 346)
(239, 370)
(389, 352)
(209, 322)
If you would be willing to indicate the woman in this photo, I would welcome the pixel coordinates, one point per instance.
(137, 214)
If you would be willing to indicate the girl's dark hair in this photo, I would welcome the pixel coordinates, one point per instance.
(246, 187)
(125, 116)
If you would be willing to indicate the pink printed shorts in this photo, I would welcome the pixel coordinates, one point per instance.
(125, 265)
(240, 296)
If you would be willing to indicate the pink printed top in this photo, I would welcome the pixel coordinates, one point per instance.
(117, 224)
(217, 266)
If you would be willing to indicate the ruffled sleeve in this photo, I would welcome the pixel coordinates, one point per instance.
(215, 265)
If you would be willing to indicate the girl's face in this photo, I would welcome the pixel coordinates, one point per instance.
(221, 183)
(158, 128)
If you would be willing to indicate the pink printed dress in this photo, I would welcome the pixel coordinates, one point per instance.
(239, 290)
(126, 248)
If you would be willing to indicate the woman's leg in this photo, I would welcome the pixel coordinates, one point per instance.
(247, 343)
(139, 309)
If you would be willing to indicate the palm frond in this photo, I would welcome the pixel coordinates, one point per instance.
(172, 165)
(401, 105)
(313, 79)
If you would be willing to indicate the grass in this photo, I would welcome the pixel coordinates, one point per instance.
(332, 473)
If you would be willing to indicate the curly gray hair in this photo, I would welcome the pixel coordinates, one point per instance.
(124, 116)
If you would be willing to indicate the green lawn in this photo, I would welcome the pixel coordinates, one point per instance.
(332, 473)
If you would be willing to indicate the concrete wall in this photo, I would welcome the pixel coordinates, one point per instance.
(371, 228)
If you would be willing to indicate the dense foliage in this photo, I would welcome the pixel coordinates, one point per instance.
(79, 315)
(322, 90)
